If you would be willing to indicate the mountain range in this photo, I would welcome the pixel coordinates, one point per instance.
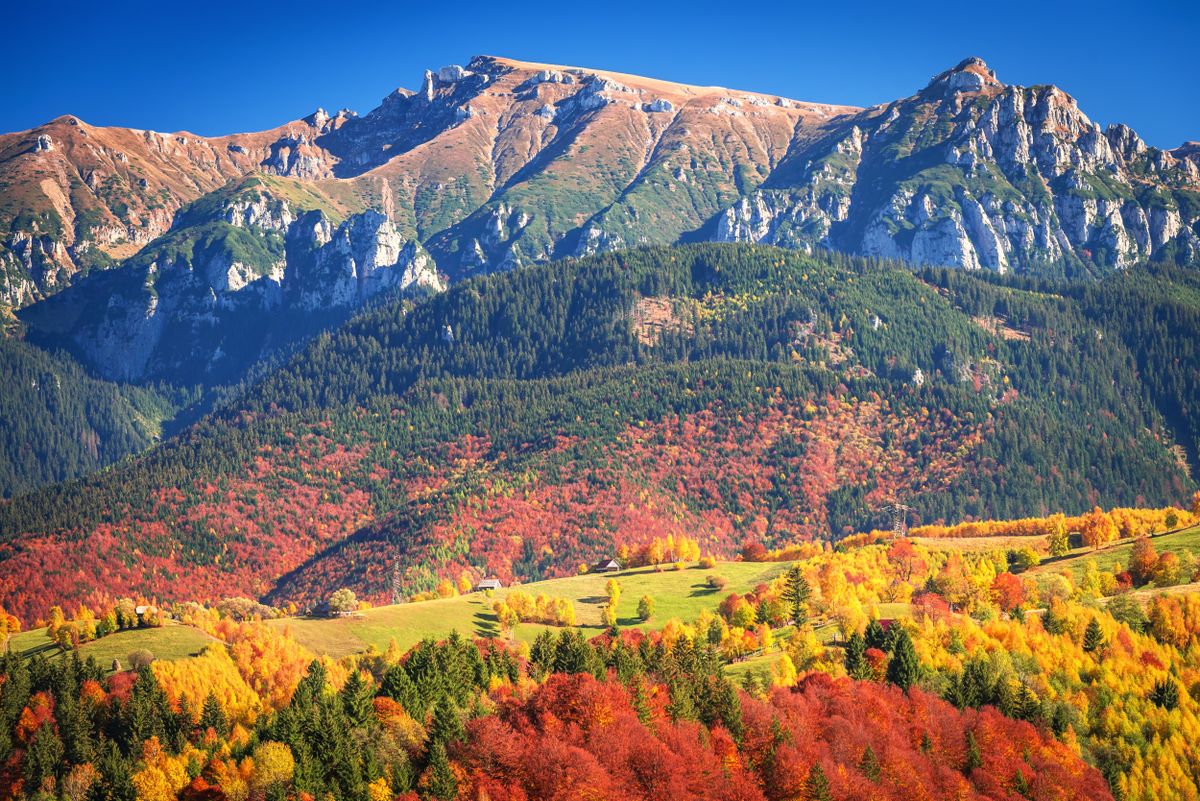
(529, 313)
(503, 163)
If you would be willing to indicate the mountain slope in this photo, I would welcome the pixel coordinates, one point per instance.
(970, 172)
(525, 422)
(78, 197)
(60, 423)
(244, 271)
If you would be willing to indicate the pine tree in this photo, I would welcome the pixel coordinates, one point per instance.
(796, 594)
(1093, 637)
(726, 706)
(1165, 693)
(42, 759)
(441, 784)
(542, 654)
(876, 637)
(855, 660)
(904, 667)
(356, 699)
(682, 705)
(572, 654)
(212, 716)
(974, 757)
(1021, 784)
(399, 687)
(116, 775)
(641, 703)
(312, 686)
(447, 725)
(869, 765)
(145, 714)
(1026, 706)
(73, 729)
(817, 786)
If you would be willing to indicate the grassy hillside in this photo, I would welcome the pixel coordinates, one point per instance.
(680, 594)
(1179, 543)
(172, 641)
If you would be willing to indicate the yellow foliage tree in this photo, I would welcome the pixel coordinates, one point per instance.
(213, 671)
(273, 765)
(161, 776)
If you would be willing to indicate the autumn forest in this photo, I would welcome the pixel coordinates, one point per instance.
(706, 521)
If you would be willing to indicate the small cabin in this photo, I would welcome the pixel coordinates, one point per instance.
(491, 583)
(606, 566)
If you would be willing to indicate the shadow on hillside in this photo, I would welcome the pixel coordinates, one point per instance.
(486, 624)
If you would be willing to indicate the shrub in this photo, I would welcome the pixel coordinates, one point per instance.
(717, 582)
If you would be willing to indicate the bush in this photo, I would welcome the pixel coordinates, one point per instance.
(645, 608)
(707, 562)
(716, 582)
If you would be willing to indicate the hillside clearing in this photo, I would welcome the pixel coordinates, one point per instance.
(681, 594)
(1176, 542)
(171, 641)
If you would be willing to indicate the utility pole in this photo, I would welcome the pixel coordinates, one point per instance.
(899, 512)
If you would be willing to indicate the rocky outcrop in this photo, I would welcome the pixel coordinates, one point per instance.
(976, 174)
(231, 281)
(361, 258)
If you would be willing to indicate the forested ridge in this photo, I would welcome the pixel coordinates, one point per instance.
(726, 391)
(60, 423)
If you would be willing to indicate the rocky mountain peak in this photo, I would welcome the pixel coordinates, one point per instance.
(1124, 141)
(969, 75)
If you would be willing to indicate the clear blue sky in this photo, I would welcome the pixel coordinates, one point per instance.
(219, 67)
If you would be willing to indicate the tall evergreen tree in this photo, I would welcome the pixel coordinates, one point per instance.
(855, 659)
(43, 757)
(904, 667)
(447, 724)
(796, 593)
(974, 756)
(1165, 693)
(817, 786)
(212, 716)
(869, 764)
(1093, 637)
(876, 637)
(441, 783)
(356, 699)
